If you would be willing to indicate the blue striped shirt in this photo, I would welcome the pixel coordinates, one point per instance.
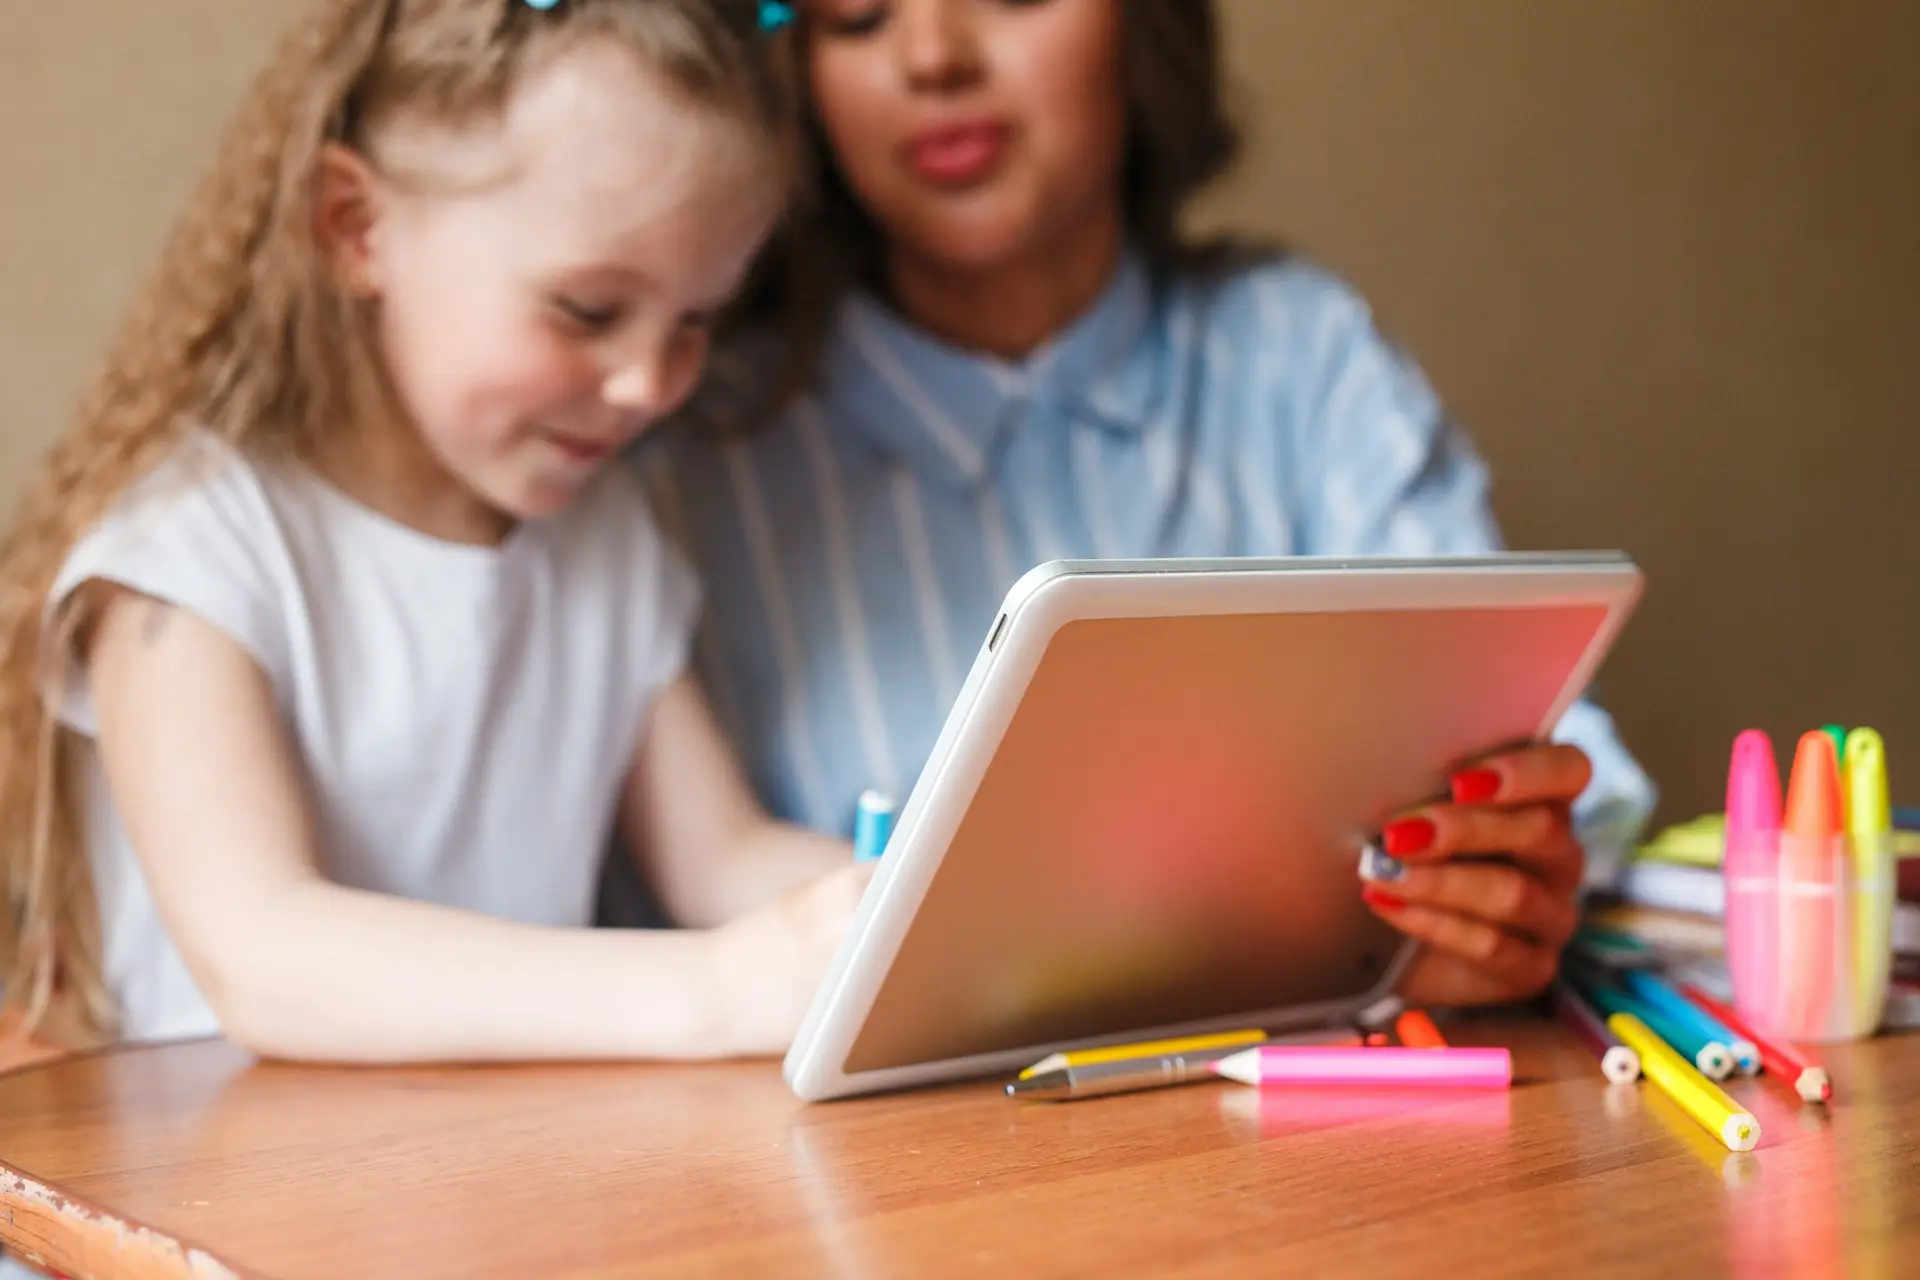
(855, 550)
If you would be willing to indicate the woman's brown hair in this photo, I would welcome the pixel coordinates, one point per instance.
(242, 332)
(1180, 137)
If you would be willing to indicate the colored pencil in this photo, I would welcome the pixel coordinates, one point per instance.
(1150, 1049)
(1657, 991)
(1618, 1062)
(1698, 1096)
(1710, 1057)
(1808, 1080)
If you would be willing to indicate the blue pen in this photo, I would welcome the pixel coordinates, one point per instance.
(872, 825)
(1661, 994)
(1713, 1059)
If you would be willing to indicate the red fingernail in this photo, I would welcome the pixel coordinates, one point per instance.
(1384, 901)
(1408, 835)
(1474, 786)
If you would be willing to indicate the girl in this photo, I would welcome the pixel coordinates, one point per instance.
(351, 648)
(1021, 359)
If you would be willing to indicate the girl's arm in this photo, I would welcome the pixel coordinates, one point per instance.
(780, 897)
(693, 825)
(209, 788)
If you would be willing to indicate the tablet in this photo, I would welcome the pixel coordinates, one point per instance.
(1146, 809)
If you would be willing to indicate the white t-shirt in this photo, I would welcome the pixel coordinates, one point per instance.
(466, 715)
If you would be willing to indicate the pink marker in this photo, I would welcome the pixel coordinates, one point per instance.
(1751, 869)
(1452, 1067)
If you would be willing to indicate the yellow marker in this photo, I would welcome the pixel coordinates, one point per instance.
(1870, 832)
(1151, 1049)
(1869, 812)
(1698, 1096)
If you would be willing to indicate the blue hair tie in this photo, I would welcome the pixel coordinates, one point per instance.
(542, 5)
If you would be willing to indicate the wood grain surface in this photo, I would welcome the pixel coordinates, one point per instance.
(191, 1160)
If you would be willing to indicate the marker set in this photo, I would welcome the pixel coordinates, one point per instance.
(1810, 885)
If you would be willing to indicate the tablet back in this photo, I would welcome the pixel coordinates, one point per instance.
(1147, 810)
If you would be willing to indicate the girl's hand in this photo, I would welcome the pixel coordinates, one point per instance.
(1488, 882)
(769, 963)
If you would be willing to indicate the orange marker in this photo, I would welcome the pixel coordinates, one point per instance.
(1810, 853)
(1416, 1031)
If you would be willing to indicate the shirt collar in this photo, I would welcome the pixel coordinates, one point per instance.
(948, 413)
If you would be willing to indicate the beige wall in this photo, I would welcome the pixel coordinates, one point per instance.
(1661, 256)
(125, 98)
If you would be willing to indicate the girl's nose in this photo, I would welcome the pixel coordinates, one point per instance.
(652, 376)
(637, 385)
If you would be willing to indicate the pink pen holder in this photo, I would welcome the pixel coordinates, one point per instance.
(1809, 933)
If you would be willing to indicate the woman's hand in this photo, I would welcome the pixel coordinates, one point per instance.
(1490, 881)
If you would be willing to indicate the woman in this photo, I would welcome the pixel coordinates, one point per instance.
(1000, 351)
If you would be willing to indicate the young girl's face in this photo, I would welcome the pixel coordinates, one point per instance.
(544, 283)
(975, 132)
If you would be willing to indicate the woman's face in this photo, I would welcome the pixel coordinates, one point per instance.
(976, 133)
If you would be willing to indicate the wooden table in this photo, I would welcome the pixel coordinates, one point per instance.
(191, 1160)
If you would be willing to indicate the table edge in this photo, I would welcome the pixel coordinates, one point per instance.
(76, 1237)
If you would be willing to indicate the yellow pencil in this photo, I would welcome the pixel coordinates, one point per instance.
(1151, 1049)
(1698, 1096)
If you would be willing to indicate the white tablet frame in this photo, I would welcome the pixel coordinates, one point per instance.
(1061, 592)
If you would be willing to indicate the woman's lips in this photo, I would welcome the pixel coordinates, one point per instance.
(957, 154)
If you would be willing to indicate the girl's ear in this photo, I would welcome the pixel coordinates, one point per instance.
(346, 207)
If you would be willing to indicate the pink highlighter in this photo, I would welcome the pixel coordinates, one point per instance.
(1751, 869)
(1473, 1068)
(1812, 852)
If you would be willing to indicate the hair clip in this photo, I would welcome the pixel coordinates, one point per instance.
(775, 14)
(542, 5)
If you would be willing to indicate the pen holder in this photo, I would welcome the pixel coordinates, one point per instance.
(1809, 933)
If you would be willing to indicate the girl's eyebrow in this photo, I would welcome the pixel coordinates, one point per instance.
(605, 270)
(641, 282)
(589, 269)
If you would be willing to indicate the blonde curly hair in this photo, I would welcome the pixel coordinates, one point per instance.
(242, 332)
